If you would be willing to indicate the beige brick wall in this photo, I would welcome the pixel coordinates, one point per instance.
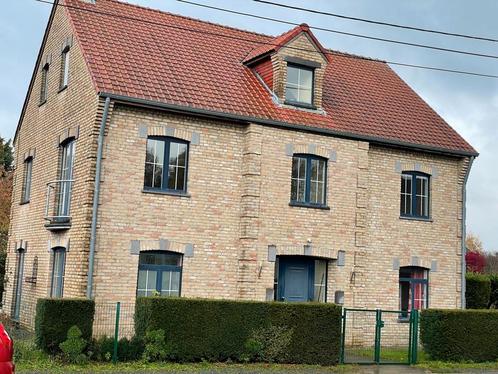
(74, 107)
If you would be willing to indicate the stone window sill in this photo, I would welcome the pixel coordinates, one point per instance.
(169, 193)
(62, 88)
(305, 205)
(23, 202)
(41, 103)
(408, 218)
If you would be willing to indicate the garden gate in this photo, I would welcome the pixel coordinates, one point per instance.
(375, 336)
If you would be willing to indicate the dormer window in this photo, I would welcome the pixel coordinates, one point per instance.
(299, 85)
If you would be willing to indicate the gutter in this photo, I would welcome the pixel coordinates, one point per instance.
(247, 119)
(96, 194)
(463, 286)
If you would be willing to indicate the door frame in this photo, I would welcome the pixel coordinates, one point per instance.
(299, 259)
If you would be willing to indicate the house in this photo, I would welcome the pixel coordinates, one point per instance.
(162, 155)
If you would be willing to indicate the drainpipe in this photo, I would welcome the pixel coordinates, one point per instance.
(96, 193)
(464, 232)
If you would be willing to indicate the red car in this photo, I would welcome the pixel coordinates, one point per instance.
(6, 352)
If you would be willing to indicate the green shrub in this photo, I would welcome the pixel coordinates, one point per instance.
(269, 344)
(73, 347)
(493, 297)
(156, 347)
(54, 317)
(101, 349)
(217, 330)
(478, 290)
(460, 335)
(130, 349)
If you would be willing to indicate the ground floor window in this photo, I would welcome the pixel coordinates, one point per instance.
(159, 273)
(58, 264)
(413, 288)
(300, 278)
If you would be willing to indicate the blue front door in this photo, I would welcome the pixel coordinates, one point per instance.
(295, 279)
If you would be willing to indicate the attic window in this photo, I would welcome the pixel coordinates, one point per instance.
(44, 84)
(299, 85)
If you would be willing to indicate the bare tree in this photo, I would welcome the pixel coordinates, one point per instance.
(473, 243)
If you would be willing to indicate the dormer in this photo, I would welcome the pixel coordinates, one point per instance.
(292, 67)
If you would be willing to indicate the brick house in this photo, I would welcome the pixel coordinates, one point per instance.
(159, 154)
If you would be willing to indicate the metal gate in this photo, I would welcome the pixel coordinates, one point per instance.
(375, 336)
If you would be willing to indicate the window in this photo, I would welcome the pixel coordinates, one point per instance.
(166, 163)
(64, 68)
(413, 289)
(320, 284)
(44, 84)
(414, 195)
(65, 179)
(26, 184)
(58, 264)
(309, 180)
(16, 310)
(299, 85)
(159, 274)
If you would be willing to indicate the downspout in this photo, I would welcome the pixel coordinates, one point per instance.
(464, 232)
(96, 193)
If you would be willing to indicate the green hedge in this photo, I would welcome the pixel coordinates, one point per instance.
(478, 290)
(460, 335)
(54, 317)
(493, 298)
(216, 330)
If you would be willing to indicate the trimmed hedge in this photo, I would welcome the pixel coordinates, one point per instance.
(478, 290)
(54, 317)
(460, 335)
(493, 297)
(217, 330)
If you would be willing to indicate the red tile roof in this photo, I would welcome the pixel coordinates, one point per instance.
(181, 61)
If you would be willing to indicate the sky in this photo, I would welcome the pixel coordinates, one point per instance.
(469, 104)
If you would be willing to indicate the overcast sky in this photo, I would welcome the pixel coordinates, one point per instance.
(469, 104)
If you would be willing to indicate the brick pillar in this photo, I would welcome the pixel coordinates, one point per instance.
(249, 213)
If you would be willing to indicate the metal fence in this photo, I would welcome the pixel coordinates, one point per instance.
(111, 318)
(379, 336)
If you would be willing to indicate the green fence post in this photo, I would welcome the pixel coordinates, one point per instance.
(415, 337)
(343, 337)
(116, 334)
(410, 339)
(378, 325)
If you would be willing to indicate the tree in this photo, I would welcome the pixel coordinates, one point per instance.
(475, 262)
(473, 243)
(6, 155)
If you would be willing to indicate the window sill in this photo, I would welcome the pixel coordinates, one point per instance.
(305, 205)
(23, 202)
(300, 105)
(62, 88)
(42, 103)
(403, 320)
(409, 218)
(170, 193)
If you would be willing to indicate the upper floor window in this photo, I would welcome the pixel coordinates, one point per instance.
(44, 84)
(414, 195)
(299, 85)
(166, 163)
(413, 289)
(159, 273)
(309, 180)
(64, 68)
(58, 264)
(26, 184)
(65, 179)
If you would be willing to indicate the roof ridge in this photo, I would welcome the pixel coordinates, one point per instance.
(126, 3)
